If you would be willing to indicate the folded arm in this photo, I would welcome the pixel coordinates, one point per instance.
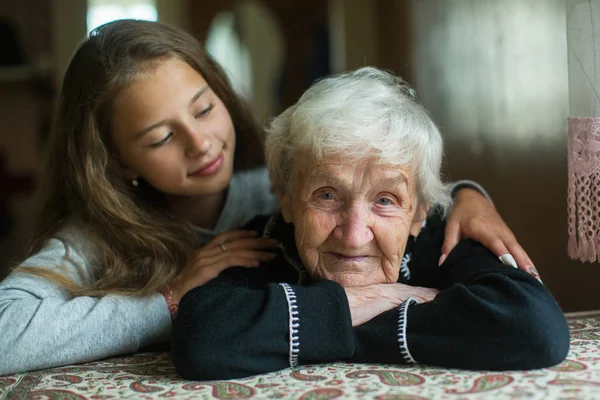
(229, 329)
(43, 326)
(486, 316)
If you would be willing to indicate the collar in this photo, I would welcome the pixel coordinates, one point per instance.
(276, 228)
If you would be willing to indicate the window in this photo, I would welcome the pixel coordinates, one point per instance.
(103, 11)
(229, 50)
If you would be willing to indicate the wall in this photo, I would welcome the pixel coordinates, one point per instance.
(68, 31)
(25, 106)
(31, 18)
(494, 76)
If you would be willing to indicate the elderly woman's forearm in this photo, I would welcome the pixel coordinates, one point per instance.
(488, 317)
(227, 330)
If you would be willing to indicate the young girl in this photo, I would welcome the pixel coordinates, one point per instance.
(143, 196)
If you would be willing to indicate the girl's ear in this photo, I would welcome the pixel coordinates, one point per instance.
(117, 159)
(129, 174)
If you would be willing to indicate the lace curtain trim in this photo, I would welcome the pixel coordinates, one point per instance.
(584, 188)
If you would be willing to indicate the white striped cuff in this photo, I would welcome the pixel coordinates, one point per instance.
(402, 321)
(294, 324)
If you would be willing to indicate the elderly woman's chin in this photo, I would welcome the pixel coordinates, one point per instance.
(352, 271)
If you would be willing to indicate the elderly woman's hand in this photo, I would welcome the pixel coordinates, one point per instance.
(367, 302)
(230, 249)
(474, 217)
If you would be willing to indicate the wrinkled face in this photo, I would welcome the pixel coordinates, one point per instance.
(173, 131)
(351, 220)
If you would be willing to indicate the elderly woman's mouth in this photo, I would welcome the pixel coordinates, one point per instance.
(349, 258)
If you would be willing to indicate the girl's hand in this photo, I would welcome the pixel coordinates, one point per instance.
(473, 216)
(367, 302)
(230, 249)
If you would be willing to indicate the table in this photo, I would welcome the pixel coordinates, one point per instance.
(152, 376)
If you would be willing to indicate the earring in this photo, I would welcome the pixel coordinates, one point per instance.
(135, 183)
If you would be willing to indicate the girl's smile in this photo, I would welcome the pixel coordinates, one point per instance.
(211, 168)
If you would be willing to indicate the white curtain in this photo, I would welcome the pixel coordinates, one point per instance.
(583, 41)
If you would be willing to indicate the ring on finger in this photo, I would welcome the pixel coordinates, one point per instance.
(222, 246)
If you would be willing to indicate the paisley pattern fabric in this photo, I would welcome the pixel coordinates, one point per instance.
(151, 376)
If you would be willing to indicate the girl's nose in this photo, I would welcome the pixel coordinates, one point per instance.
(197, 145)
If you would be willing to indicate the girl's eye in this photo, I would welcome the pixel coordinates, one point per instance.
(205, 112)
(165, 140)
(384, 201)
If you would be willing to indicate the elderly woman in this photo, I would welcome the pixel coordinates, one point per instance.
(356, 165)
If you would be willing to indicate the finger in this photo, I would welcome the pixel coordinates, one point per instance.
(220, 239)
(514, 255)
(228, 258)
(423, 299)
(427, 295)
(232, 261)
(238, 244)
(494, 243)
(203, 275)
(254, 243)
(522, 259)
(237, 262)
(524, 262)
(451, 239)
(246, 253)
(232, 235)
(533, 272)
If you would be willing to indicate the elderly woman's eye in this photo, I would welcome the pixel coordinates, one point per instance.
(384, 201)
(325, 196)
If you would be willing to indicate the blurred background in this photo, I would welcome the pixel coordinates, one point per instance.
(493, 74)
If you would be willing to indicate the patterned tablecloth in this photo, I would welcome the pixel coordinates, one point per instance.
(151, 376)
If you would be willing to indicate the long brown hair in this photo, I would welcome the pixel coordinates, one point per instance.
(141, 244)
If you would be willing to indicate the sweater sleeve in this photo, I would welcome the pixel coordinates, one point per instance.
(455, 187)
(487, 316)
(43, 326)
(231, 328)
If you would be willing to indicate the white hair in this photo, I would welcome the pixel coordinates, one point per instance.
(360, 114)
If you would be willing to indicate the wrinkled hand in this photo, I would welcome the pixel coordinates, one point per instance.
(367, 302)
(473, 216)
(230, 249)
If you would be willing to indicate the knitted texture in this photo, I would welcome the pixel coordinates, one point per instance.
(584, 188)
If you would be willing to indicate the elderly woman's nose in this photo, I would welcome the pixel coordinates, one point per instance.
(354, 231)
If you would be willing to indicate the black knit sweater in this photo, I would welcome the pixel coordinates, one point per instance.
(255, 320)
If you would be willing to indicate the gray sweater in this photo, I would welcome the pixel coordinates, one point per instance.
(42, 326)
